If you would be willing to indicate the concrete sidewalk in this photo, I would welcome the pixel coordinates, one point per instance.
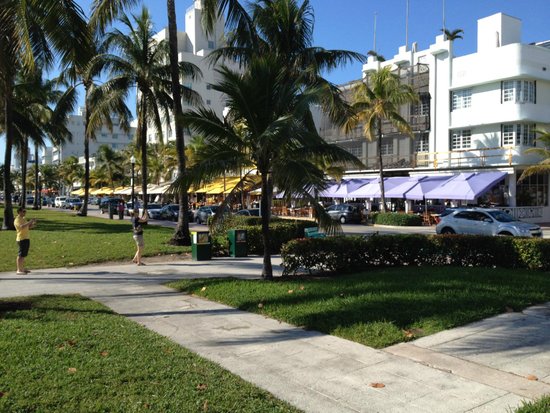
(489, 366)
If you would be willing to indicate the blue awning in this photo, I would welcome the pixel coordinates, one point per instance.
(344, 188)
(372, 189)
(417, 187)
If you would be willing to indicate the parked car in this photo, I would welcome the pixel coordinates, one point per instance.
(346, 212)
(59, 201)
(486, 221)
(252, 212)
(106, 202)
(72, 203)
(152, 211)
(30, 200)
(202, 214)
(93, 200)
(130, 207)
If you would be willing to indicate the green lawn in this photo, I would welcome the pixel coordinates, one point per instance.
(383, 306)
(64, 239)
(71, 354)
(540, 406)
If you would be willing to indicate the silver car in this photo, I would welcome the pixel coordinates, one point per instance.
(483, 221)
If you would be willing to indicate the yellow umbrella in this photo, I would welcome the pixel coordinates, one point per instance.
(78, 192)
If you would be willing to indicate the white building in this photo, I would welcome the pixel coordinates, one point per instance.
(117, 139)
(476, 113)
(193, 47)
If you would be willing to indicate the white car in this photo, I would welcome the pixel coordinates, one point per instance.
(60, 201)
(483, 221)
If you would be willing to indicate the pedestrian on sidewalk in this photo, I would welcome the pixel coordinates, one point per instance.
(138, 234)
(22, 226)
(121, 209)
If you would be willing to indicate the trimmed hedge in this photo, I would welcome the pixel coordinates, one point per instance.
(349, 254)
(396, 219)
(281, 232)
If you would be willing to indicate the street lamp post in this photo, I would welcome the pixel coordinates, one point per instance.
(133, 162)
(39, 190)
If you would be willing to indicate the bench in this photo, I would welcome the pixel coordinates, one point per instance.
(313, 232)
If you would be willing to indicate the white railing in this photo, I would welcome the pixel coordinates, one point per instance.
(523, 212)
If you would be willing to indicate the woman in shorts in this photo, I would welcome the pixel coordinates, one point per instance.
(138, 235)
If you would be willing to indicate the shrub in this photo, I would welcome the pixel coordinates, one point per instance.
(346, 254)
(396, 219)
(281, 230)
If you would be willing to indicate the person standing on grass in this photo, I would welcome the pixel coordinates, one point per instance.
(138, 234)
(22, 226)
(121, 209)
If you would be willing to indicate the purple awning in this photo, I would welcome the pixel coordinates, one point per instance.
(343, 189)
(372, 189)
(416, 187)
(466, 186)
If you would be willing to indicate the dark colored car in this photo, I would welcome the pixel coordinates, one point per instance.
(152, 211)
(202, 214)
(346, 212)
(171, 212)
(108, 201)
(72, 203)
(252, 212)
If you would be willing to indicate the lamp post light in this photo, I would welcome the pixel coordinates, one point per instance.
(133, 162)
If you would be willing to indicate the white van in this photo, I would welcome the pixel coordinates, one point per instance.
(59, 201)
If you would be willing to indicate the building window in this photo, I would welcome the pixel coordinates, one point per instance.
(462, 99)
(461, 139)
(519, 91)
(422, 143)
(355, 150)
(517, 134)
(208, 86)
(386, 148)
(115, 136)
(210, 44)
(208, 102)
(114, 146)
(532, 191)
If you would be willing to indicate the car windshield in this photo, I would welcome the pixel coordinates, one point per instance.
(502, 216)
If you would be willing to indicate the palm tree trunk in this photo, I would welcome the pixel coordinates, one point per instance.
(181, 234)
(142, 126)
(8, 125)
(37, 204)
(84, 208)
(382, 190)
(265, 211)
(24, 158)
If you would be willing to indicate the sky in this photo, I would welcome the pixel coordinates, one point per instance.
(349, 25)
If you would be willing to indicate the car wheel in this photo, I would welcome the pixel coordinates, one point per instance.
(447, 230)
(505, 234)
(342, 219)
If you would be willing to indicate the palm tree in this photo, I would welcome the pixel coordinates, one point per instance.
(543, 151)
(378, 99)
(453, 34)
(71, 171)
(163, 161)
(141, 64)
(110, 162)
(276, 140)
(31, 31)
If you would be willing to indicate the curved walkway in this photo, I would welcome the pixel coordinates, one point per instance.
(489, 366)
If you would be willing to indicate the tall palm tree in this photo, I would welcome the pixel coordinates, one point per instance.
(276, 139)
(141, 63)
(377, 99)
(99, 104)
(32, 31)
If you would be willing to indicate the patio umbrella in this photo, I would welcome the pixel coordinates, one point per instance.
(466, 186)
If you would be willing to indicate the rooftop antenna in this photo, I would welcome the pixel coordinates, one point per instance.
(444, 16)
(407, 25)
(374, 37)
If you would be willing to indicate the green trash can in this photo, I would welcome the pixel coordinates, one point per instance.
(237, 243)
(201, 247)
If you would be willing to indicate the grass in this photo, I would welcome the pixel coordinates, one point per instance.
(540, 406)
(63, 239)
(71, 354)
(384, 306)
